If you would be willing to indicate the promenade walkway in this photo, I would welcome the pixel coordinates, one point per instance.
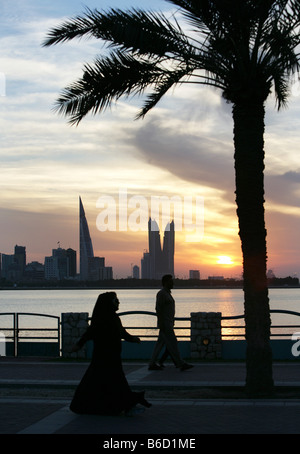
(207, 399)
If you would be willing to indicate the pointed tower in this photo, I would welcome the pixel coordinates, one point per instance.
(86, 247)
(169, 249)
(154, 248)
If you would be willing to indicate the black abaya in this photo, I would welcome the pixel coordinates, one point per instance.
(104, 388)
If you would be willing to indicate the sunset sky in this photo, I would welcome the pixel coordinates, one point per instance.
(183, 148)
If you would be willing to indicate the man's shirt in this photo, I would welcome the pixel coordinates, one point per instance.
(165, 308)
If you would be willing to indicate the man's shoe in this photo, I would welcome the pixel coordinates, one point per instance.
(186, 366)
(155, 367)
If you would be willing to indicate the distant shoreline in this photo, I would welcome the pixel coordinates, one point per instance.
(118, 284)
(144, 284)
(216, 287)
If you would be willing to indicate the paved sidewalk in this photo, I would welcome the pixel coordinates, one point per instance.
(35, 396)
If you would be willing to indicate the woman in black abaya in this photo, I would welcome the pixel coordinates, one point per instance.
(104, 388)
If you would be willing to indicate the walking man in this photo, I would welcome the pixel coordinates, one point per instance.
(165, 311)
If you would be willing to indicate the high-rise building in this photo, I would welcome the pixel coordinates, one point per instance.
(34, 271)
(95, 266)
(13, 265)
(169, 249)
(8, 267)
(194, 274)
(20, 258)
(145, 266)
(51, 269)
(86, 247)
(135, 272)
(154, 250)
(91, 268)
(71, 254)
(61, 265)
(159, 261)
(61, 262)
(106, 273)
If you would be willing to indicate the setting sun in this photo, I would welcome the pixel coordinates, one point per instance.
(224, 260)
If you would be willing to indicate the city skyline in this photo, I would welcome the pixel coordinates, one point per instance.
(183, 148)
(156, 261)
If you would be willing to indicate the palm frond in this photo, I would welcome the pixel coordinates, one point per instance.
(242, 47)
(281, 89)
(141, 32)
(105, 82)
(134, 30)
(168, 80)
(74, 28)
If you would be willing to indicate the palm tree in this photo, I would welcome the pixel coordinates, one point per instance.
(245, 48)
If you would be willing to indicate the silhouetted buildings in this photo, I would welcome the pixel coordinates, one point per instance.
(97, 271)
(270, 274)
(34, 272)
(135, 272)
(194, 274)
(159, 260)
(13, 265)
(61, 265)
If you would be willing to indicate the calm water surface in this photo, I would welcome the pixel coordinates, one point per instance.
(54, 302)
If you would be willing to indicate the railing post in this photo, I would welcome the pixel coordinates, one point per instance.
(16, 334)
(59, 336)
(206, 335)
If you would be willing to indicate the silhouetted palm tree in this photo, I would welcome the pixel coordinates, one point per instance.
(245, 48)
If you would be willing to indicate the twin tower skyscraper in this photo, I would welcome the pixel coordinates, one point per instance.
(159, 260)
(154, 264)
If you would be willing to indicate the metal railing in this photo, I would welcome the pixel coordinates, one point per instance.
(280, 311)
(225, 328)
(147, 332)
(16, 329)
(233, 327)
(274, 328)
(152, 328)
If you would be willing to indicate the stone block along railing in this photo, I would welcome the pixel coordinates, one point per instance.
(74, 325)
(206, 335)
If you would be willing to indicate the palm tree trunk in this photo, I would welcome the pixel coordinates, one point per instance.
(249, 169)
